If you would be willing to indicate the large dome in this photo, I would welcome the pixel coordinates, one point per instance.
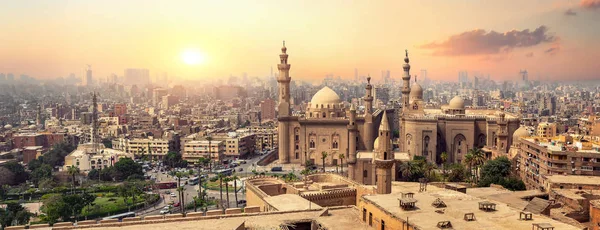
(520, 132)
(325, 96)
(416, 91)
(457, 103)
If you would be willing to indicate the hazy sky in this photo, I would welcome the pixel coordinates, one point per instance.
(558, 39)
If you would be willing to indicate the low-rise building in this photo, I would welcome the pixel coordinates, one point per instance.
(195, 149)
(94, 156)
(155, 148)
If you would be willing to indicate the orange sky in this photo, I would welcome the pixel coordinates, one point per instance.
(55, 38)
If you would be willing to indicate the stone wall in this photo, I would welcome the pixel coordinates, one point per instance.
(595, 215)
(373, 215)
(332, 197)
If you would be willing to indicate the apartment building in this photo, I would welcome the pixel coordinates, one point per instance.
(194, 149)
(156, 148)
(539, 158)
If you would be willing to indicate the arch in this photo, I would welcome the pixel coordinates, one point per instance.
(481, 141)
(440, 148)
(425, 145)
(460, 147)
(324, 114)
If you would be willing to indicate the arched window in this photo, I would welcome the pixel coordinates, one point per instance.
(324, 114)
(426, 145)
(312, 144)
(385, 156)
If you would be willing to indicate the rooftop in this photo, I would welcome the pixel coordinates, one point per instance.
(290, 202)
(458, 204)
(573, 179)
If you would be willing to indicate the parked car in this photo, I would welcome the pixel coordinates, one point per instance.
(241, 202)
(177, 204)
(240, 169)
(276, 169)
(173, 195)
(165, 211)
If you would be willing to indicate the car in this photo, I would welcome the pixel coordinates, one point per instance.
(165, 211)
(168, 192)
(276, 169)
(241, 202)
(173, 195)
(171, 202)
(177, 204)
(240, 169)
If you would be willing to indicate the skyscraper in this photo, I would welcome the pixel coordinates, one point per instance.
(137, 76)
(88, 76)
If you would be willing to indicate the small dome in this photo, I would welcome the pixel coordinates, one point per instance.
(520, 132)
(8, 126)
(325, 96)
(457, 103)
(32, 126)
(416, 91)
(376, 143)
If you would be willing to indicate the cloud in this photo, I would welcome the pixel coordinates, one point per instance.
(530, 54)
(590, 4)
(479, 42)
(570, 12)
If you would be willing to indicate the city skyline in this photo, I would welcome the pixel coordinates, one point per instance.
(553, 40)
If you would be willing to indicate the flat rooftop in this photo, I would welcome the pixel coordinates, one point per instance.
(573, 179)
(290, 202)
(343, 218)
(458, 204)
(515, 200)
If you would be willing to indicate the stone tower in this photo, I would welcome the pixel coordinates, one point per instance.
(38, 117)
(284, 106)
(352, 130)
(383, 158)
(368, 128)
(406, 84)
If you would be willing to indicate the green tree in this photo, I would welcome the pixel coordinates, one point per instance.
(221, 177)
(47, 184)
(479, 159)
(93, 174)
(457, 173)
(34, 164)
(20, 175)
(73, 171)
(470, 160)
(126, 167)
(14, 214)
(444, 157)
(4, 191)
(342, 156)
(56, 156)
(7, 177)
(235, 178)
(41, 173)
(173, 159)
(323, 156)
(54, 208)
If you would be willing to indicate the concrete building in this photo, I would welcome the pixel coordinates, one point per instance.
(195, 149)
(87, 157)
(155, 148)
(538, 158)
(267, 109)
(546, 130)
(120, 109)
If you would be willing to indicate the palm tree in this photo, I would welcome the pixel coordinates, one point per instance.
(444, 157)
(478, 160)
(226, 181)
(428, 167)
(73, 171)
(179, 187)
(342, 156)
(221, 177)
(469, 160)
(323, 156)
(201, 162)
(410, 169)
(235, 179)
(181, 190)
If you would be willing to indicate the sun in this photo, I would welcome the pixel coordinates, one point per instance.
(192, 57)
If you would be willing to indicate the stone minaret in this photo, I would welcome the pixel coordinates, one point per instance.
(352, 130)
(383, 158)
(368, 128)
(284, 106)
(406, 85)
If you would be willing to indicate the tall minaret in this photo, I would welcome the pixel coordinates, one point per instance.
(38, 117)
(406, 86)
(352, 130)
(383, 159)
(368, 128)
(284, 106)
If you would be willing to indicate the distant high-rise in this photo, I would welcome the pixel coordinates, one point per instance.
(137, 77)
(88, 76)
(267, 109)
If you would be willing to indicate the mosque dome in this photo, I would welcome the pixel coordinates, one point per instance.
(416, 91)
(520, 132)
(325, 96)
(457, 103)
(8, 127)
(376, 143)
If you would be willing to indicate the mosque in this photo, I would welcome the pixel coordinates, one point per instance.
(364, 141)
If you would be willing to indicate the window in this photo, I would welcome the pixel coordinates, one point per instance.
(297, 147)
(364, 214)
(370, 219)
(324, 114)
(382, 225)
(312, 144)
(297, 155)
(364, 173)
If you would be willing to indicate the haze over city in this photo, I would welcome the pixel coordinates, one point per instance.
(556, 40)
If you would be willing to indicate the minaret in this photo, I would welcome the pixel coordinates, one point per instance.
(284, 106)
(383, 159)
(38, 117)
(352, 130)
(368, 128)
(406, 85)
